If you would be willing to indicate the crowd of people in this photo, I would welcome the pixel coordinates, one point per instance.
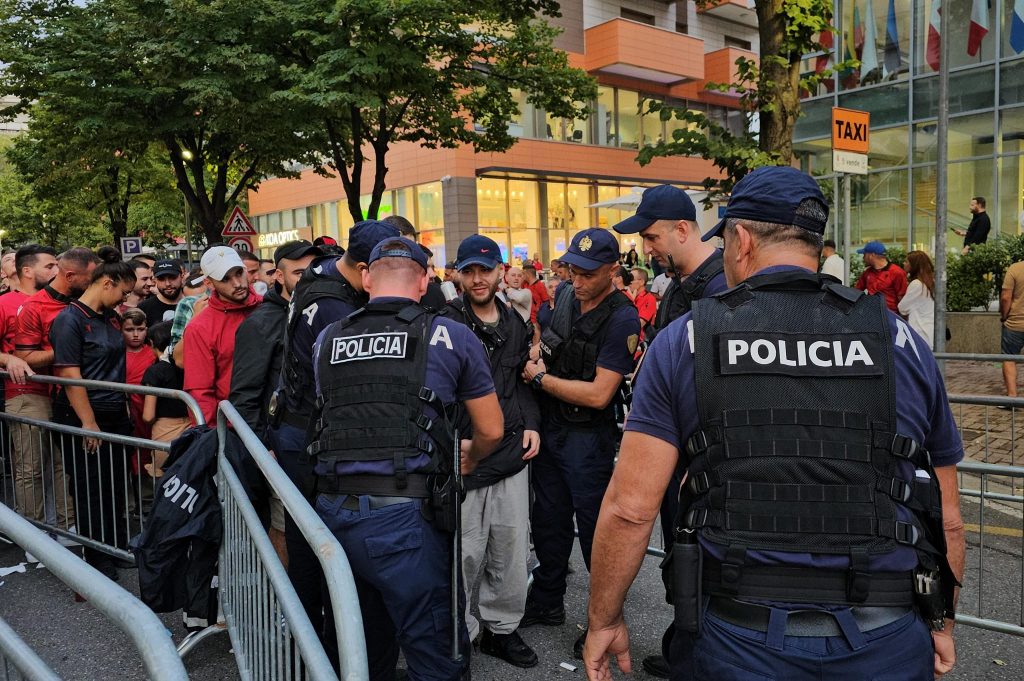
(359, 366)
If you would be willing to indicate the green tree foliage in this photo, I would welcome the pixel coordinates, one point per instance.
(769, 97)
(439, 73)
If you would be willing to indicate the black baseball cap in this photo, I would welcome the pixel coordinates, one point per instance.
(293, 250)
(478, 250)
(592, 248)
(775, 194)
(365, 235)
(393, 248)
(164, 268)
(663, 202)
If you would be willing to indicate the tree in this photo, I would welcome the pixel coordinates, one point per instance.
(439, 73)
(769, 92)
(197, 77)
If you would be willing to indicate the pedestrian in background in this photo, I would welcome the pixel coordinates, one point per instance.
(168, 417)
(833, 264)
(977, 232)
(1011, 314)
(881, 277)
(918, 304)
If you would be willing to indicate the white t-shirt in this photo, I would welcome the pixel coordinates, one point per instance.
(919, 308)
(833, 265)
(660, 284)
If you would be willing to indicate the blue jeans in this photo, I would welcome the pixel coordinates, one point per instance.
(402, 568)
(1011, 342)
(899, 651)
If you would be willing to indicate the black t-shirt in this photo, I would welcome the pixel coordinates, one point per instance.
(164, 374)
(157, 310)
(91, 341)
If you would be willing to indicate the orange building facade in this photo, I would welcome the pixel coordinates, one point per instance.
(534, 197)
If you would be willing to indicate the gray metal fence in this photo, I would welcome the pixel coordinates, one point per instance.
(96, 499)
(270, 632)
(144, 629)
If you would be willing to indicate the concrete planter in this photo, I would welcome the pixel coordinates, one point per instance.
(973, 332)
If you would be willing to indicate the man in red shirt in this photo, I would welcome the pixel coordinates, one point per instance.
(209, 340)
(881, 276)
(646, 303)
(48, 284)
(537, 289)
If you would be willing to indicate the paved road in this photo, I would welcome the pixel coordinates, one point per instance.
(77, 641)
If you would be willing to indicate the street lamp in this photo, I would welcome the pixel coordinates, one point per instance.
(187, 156)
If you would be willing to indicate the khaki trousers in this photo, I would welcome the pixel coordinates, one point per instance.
(38, 467)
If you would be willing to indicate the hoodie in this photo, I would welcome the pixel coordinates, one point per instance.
(210, 349)
(259, 348)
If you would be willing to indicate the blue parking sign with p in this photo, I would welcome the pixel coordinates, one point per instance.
(131, 245)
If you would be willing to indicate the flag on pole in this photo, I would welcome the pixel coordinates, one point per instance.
(825, 39)
(979, 26)
(893, 57)
(869, 53)
(933, 46)
(1017, 27)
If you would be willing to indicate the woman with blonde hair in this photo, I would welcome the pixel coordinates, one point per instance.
(918, 304)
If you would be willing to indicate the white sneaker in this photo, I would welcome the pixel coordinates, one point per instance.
(67, 542)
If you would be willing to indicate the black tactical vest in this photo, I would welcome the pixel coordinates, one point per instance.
(570, 346)
(678, 298)
(371, 406)
(798, 449)
(296, 383)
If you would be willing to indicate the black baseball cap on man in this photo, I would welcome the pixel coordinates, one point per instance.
(592, 248)
(663, 202)
(397, 247)
(776, 194)
(293, 250)
(365, 235)
(478, 250)
(164, 268)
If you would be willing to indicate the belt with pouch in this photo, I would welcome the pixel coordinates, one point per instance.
(807, 623)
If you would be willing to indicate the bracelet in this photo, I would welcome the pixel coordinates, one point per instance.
(536, 382)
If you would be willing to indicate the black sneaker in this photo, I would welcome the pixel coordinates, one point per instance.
(657, 665)
(577, 648)
(509, 647)
(549, 617)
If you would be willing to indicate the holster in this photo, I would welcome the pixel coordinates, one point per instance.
(443, 503)
(686, 568)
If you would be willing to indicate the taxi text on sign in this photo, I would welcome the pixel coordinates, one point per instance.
(850, 130)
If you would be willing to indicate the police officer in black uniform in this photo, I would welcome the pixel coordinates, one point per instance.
(330, 289)
(586, 352)
(819, 534)
(389, 378)
(667, 221)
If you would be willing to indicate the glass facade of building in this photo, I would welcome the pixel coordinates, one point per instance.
(897, 83)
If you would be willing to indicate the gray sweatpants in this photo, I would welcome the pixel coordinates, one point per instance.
(495, 539)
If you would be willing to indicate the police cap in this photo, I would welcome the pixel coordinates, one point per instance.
(592, 248)
(663, 202)
(398, 247)
(775, 194)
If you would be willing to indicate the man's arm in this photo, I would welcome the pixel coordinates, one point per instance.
(1005, 298)
(488, 428)
(953, 526)
(596, 394)
(28, 340)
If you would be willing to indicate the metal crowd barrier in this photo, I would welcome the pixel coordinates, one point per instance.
(145, 630)
(270, 632)
(123, 485)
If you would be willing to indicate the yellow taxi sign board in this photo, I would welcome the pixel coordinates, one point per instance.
(850, 129)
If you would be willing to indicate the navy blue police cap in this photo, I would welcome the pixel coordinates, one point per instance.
(663, 202)
(398, 247)
(478, 250)
(365, 235)
(775, 194)
(592, 248)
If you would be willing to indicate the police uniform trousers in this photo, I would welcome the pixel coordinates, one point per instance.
(402, 570)
(570, 476)
(496, 539)
(899, 651)
(304, 569)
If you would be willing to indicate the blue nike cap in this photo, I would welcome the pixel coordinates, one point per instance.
(478, 250)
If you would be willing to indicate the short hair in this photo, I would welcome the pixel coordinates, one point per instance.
(112, 267)
(621, 271)
(159, 335)
(404, 227)
(829, 243)
(249, 255)
(135, 316)
(406, 269)
(639, 273)
(139, 264)
(768, 233)
(27, 255)
(267, 261)
(80, 256)
(980, 200)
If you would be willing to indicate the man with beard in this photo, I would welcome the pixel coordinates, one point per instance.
(209, 340)
(144, 283)
(160, 307)
(495, 513)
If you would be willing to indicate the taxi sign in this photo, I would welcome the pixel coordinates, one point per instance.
(850, 130)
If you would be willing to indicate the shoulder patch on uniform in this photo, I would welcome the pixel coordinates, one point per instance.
(689, 335)
(800, 354)
(441, 336)
(631, 343)
(391, 345)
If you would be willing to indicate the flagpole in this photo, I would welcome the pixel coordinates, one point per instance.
(942, 185)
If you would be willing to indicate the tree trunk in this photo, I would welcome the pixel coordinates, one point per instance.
(779, 83)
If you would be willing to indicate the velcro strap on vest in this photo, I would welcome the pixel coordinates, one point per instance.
(416, 485)
(811, 523)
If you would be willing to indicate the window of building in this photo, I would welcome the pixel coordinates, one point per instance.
(430, 209)
(633, 15)
(971, 136)
(629, 118)
(889, 147)
(1008, 50)
(525, 123)
(879, 207)
(884, 56)
(1009, 218)
(959, 49)
(603, 118)
(738, 43)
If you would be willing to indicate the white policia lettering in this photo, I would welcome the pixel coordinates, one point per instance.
(369, 346)
(819, 353)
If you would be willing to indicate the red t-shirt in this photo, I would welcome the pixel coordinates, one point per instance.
(32, 332)
(540, 296)
(136, 364)
(646, 306)
(890, 281)
(10, 306)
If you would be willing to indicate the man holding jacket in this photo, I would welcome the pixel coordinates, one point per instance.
(496, 513)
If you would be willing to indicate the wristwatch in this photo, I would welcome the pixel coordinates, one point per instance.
(537, 379)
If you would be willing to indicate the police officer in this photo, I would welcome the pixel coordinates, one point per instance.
(330, 289)
(388, 378)
(666, 219)
(496, 513)
(807, 481)
(586, 351)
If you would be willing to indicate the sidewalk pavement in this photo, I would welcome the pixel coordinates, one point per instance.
(990, 434)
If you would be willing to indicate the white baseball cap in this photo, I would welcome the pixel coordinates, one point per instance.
(218, 261)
